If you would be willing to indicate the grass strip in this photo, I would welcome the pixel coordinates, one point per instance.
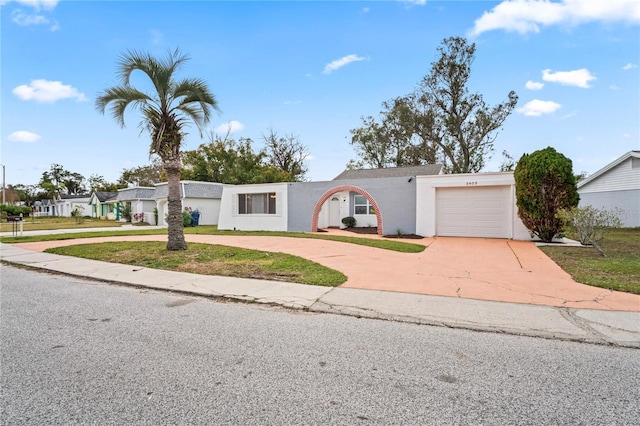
(385, 244)
(209, 259)
(620, 270)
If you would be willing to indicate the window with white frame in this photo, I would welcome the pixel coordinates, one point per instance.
(362, 206)
(264, 203)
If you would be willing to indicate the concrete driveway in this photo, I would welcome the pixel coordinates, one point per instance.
(473, 268)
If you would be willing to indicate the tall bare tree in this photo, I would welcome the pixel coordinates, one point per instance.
(166, 111)
(287, 153)
(440, 121)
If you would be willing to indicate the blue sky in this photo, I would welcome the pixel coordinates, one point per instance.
(312, 69)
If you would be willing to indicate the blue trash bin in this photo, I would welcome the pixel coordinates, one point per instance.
(195, 216)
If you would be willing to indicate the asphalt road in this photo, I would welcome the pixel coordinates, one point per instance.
(81, 352)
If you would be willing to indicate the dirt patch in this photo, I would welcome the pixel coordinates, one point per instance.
(372, 230)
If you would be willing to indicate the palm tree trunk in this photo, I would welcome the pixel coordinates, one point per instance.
(176, 239)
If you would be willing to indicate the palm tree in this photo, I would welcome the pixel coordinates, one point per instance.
(171, 106)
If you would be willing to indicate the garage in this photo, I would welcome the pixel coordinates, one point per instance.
(468, 205)
(481, 211)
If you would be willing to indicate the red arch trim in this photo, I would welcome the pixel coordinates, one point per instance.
(351, 188)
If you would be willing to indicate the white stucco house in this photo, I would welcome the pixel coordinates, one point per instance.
(403, 200)
(66, 204)
(203, 197)
(616, 185)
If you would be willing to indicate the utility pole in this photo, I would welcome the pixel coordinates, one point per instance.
(3, 184)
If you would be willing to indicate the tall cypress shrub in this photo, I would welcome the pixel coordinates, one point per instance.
(545, 183)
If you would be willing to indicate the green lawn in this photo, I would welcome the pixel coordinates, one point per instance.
(620, 270)
(209, 259)
(386, 244)
(52, 222)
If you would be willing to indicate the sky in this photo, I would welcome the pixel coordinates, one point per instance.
(312, 70)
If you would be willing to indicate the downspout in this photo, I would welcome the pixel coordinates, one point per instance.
(184, 194)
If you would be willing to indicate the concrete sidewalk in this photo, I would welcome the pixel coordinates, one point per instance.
(585, 325)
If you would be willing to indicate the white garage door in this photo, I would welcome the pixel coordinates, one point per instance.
(481, 211)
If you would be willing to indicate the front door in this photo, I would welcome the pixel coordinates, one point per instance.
(334, 213)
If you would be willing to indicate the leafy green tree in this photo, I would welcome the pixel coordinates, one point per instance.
(287, 153)
(52, 181)
(545, 184)
(440, 121)
(142, 175)
(166, 111)
(226, 160)
(99, 183)
(74, 183)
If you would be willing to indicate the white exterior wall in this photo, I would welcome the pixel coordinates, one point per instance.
(324, 216)
(620, 178)
(426, 187)
(209, 209)
(146, 207)
(65, 207)
(231, 219)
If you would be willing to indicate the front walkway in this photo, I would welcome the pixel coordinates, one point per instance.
(471, 268)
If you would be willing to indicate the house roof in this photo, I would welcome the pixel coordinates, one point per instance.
(136, 193)
(73, 196)
(605, 169)
(104, 196)
(429, 169)
(192, 189)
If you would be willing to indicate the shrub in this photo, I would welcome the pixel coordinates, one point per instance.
(11, 210)
(77, 212)
(591, 223)
(155, 215)
(545, 184)
(349, 221)
(186, 218)
(125, 212)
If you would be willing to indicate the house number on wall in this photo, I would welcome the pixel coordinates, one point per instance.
(472, 183)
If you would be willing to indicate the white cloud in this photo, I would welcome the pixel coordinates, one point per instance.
(416, 2)
(35, 4)
(629, 66)
(536, 108)
(25, 19)
(579, 78)
(230, 127)
(614, 87)
(45, 91)
(524, 16)
(156, 37)
(534, 85)
(339, 63)
(24, 136)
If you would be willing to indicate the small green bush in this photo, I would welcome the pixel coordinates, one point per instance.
(186, 218)
(349, 221)
(11, 210)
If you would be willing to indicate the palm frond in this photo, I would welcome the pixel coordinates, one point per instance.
(120, 98)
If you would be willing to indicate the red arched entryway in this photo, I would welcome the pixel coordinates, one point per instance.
(329, 193)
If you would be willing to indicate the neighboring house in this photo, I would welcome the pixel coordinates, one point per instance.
(203, 197)
(44, 208)
(617, 185)
(140, 202)
(65, 204)
(100, 208)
